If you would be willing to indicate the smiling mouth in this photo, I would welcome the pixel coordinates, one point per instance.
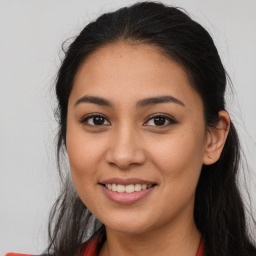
(130, 188)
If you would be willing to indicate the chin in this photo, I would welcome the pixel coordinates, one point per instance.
(129, 224)
(128, 229)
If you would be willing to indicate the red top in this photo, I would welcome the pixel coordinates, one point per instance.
(91, 246)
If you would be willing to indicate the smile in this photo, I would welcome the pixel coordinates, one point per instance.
(127, 193)
(130, 188)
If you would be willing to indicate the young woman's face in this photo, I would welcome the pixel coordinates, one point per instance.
(135, 125)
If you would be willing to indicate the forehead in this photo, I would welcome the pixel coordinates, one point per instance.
(120, 70)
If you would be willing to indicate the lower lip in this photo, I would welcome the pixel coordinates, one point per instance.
(126, 198)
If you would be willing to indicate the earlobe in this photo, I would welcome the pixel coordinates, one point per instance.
(216, 138)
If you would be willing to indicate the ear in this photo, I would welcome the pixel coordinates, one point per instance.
(216, 138)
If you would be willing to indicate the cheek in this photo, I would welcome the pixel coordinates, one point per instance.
(84, 152)
(84, 149)
(179, 156)
(83, 158)
(179, 162)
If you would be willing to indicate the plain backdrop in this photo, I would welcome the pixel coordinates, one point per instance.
(31, 33)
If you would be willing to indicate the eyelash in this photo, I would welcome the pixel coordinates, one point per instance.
(85, 119)
(171, 120)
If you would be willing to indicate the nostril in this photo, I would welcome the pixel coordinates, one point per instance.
(125, 156)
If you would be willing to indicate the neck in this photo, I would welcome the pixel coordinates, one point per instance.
(175, 239)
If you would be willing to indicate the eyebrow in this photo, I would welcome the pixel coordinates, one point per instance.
(139, 104)
(157, 100)
(95, 100)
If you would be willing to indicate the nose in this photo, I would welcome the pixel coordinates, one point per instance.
(125, 149)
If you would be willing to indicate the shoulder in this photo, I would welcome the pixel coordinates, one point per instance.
(89, 248)
(18, 254)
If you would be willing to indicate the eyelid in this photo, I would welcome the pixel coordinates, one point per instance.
(85, 118)
(171, 120)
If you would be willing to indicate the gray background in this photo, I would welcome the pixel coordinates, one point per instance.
(31, 33)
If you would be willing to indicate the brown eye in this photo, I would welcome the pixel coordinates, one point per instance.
(98, 120)
(95, 120)
(160, 121)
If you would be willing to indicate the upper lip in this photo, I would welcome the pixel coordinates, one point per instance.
(126, 181)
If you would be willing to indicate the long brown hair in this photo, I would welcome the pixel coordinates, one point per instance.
(219, 210)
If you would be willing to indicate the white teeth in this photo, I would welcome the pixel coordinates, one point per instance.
(144, 186)
(137, 187)
(120, 188)
(128, 188)
(114, 188)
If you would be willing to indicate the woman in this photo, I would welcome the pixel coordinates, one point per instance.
(153, 154)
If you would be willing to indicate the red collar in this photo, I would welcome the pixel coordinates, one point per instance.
(200, 249)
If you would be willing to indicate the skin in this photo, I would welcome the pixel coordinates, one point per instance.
(130, 144)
